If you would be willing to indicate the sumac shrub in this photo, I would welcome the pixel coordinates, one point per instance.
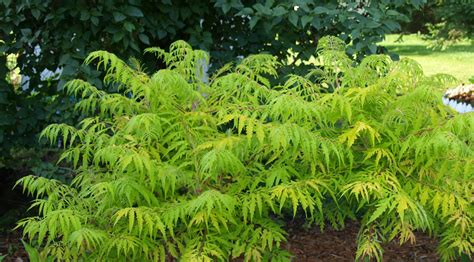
(174, 167)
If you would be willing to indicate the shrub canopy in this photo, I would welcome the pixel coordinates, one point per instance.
(171, 166)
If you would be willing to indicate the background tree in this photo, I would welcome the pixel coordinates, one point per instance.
(51, 34)
(443, 22)
(454, 20)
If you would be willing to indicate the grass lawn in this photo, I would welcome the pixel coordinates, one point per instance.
(457, 60)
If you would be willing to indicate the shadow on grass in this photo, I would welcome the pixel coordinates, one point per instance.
(422, 50)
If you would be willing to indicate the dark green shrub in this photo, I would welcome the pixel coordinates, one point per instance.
(175, 167)
(66, 31)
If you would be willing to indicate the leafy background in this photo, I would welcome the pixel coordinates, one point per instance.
(66, 32)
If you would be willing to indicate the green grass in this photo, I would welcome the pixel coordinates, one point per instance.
(457, 60)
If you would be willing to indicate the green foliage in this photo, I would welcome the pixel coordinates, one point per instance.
(453, 21)
(299, 24)
(171, 166)
(34, 255)
(66, 32)
(24, 114)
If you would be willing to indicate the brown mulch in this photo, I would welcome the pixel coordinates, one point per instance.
(306, 246)
(10, 245)
(314, 246)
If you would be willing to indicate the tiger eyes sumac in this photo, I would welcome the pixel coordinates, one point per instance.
(176, 167)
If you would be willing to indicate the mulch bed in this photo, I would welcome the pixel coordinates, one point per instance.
(11, 245)
(306, 245)
(331, 245)
(13, 206)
